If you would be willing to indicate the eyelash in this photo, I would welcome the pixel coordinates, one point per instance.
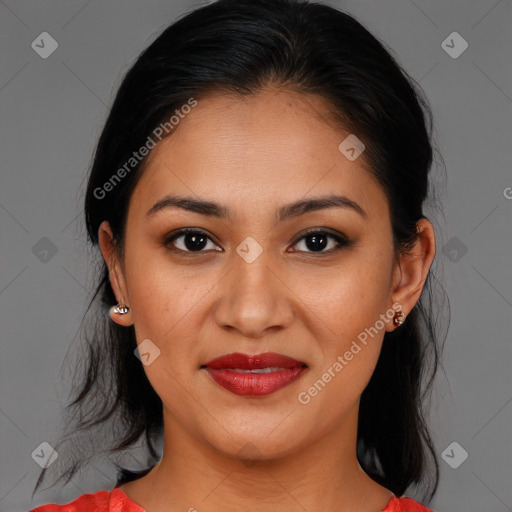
(341, 240)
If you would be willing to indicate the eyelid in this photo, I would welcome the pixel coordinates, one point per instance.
(170, 237)
(341, 239)
(328, 231)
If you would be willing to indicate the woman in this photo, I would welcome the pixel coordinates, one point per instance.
(257, 197)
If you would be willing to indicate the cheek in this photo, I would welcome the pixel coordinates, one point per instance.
(335, 389)
(157, 296)
(161, 291)
(348, 303)
(165, 305)
(346, 299)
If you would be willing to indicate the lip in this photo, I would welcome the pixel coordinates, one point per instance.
(233, 372)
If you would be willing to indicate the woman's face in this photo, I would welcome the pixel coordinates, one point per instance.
(257, 282)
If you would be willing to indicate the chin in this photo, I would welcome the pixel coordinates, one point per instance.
(252, 443)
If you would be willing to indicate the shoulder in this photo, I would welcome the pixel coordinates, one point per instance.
(405, 504)
(101, 501)
(97, 502)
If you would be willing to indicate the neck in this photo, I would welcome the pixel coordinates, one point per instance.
(323, 476)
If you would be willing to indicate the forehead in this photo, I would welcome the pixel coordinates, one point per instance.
(270, 148)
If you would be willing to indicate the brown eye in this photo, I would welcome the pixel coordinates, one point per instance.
(190, 240)
(317, 241)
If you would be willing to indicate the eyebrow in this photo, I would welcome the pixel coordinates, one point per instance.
(284, 213)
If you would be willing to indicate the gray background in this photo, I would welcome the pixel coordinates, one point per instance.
(52, 112)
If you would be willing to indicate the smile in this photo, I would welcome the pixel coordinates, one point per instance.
(254, 375)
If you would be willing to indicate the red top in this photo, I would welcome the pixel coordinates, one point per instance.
(117, 501)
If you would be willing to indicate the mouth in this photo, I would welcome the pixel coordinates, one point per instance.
(254, 375)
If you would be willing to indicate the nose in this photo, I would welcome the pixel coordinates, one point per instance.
(255, 299)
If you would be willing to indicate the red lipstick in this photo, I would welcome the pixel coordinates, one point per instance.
(254, 375)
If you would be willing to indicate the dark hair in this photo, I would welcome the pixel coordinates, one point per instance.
(240, 47)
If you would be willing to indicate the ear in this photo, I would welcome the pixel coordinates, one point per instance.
(115, 271)
(411, 270)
